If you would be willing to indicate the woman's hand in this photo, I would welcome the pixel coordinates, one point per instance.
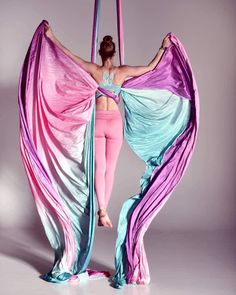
(48, 31)
(87, 66)
(166, 42)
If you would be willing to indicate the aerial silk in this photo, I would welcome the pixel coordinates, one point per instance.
(57, 122)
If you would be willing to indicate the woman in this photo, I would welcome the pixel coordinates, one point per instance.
(108, 123)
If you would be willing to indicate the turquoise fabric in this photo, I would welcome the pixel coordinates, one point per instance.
(153, 121)
(108, 85)
(78, 193)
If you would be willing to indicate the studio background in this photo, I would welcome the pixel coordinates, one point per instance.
(205, 197)
(204, 200)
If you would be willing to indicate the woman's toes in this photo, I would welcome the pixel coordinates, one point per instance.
(103, 219)
(109, 222)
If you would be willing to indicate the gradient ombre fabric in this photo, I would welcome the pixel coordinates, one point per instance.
(57, 111)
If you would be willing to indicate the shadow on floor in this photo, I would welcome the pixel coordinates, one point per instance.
(34, 249)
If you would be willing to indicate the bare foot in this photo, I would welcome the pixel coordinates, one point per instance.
(103, 219)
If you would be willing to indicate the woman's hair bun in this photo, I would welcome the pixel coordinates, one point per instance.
(107, 47)
(107, 38)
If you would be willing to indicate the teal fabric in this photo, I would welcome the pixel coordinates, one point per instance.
(79, 197)
(108, 85)
(153, 121)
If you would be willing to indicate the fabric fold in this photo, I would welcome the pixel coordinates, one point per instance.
(57, 110)
(161, 123)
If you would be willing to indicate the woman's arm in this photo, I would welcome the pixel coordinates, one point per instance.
(132, 71)
(87, 66)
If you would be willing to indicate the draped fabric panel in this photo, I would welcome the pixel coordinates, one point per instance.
(161, 123)
(57, 121)
(56, 103)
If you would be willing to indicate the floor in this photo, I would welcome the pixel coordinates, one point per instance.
(181, 263)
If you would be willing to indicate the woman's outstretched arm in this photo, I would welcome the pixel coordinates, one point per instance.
(87, 66)
(132, 71)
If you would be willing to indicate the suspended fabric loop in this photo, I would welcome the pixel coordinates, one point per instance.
(56, 98)
(96, 17)
(120, 30)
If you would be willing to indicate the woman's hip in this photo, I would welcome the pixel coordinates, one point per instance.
(108, 114)
(109, 124)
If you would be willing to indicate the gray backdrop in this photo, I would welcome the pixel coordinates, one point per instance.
(205, 198)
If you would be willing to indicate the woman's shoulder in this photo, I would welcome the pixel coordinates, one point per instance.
(123, 67)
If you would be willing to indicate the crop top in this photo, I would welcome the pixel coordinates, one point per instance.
(108, 87)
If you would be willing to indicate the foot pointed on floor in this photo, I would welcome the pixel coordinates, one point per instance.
(103, 218)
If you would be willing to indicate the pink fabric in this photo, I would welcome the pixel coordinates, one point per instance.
(108, 142)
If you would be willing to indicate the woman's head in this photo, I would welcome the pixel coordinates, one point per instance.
(107, 48)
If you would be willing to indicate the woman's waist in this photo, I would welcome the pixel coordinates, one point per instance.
(106, 103)
(108, 91)
(110, 113)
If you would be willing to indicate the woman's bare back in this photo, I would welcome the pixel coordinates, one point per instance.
(104, 102)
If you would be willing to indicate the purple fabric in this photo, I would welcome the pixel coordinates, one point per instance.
(173, 73)
(169, 74)
(120, 30)
(110, 94)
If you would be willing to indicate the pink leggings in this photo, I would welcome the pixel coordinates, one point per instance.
(108, 142)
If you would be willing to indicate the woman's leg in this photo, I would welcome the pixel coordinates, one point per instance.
(100, 160)
(114, 140)
(110, 125)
